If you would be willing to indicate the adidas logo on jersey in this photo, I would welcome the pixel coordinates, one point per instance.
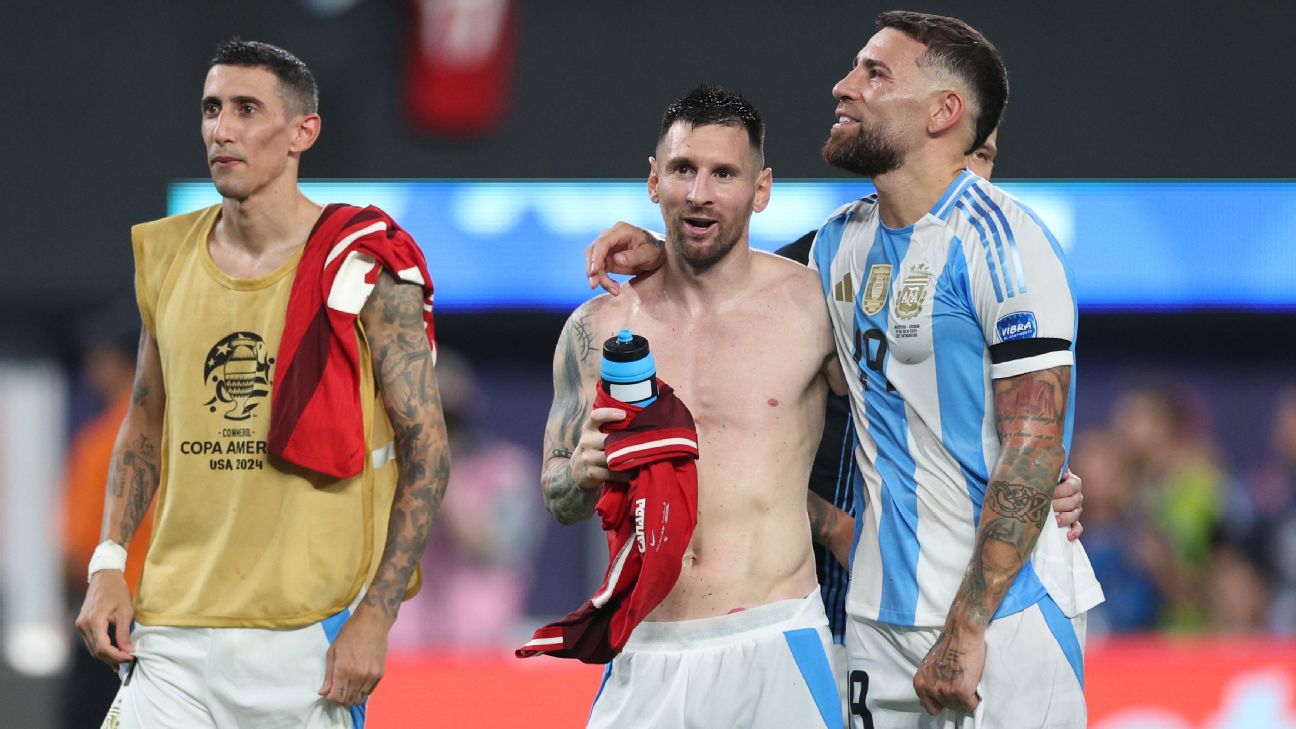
(843, 290)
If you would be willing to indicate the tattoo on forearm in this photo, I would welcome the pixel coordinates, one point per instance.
(135, 478)
(564, 498)
(822, 518)
(1031, 413)
(403, 360)
(1019, 502)
(575, 359)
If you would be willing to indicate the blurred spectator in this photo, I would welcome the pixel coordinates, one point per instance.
(1181, 488)
(1272, 494)
(1131, 557)
(478, 566)
(1238, 594)
(108, 340)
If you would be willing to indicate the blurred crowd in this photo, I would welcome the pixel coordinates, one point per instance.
(1179, 542)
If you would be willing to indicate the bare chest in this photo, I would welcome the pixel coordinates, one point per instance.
(738, 375)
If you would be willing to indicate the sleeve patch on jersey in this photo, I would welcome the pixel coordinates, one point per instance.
(1010, 351)
(1017, 325)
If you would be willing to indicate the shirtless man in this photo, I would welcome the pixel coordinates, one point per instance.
(712, 315)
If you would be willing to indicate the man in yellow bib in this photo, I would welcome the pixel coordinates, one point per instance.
(272, 578)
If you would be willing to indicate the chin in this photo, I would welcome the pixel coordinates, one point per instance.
(230, 189)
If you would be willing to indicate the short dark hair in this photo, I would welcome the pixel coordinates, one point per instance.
(708, 104)
(296, 82)
(956, 47)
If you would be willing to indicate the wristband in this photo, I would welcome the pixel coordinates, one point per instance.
(107, 556)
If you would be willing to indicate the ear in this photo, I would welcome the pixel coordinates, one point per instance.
(947, 111)
(652, 180)
(764, 181)
(306, 132)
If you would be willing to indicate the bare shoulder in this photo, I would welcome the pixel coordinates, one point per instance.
(790, 281)
(595, 313)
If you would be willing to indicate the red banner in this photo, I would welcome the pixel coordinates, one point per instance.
(1140, 683)
(460, 65)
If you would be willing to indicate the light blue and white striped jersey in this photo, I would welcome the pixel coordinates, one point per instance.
(924, 318)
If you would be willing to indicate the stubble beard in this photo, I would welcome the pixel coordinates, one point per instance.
(867, 153)
(701, 258)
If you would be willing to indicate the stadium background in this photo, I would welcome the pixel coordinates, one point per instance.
(102, 117)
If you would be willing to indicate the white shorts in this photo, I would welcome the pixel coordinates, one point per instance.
(837, 659)
(1034, 674)
(229, 678)
(762, 668)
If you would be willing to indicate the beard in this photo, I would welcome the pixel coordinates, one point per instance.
(721, 239)
(867, 153)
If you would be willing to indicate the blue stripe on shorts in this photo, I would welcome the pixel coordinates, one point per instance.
(808, 651)
(1062, 629)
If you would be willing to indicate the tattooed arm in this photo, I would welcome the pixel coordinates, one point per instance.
(1030, 411)
(575, 466)
(133, 478)
(402, 360)
(830, 527)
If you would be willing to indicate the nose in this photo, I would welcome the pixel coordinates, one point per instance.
(846, 88)
(222, 128)
(699, 193)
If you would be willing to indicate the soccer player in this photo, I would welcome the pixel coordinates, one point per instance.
(961, 343)
(831, 500)
(746, 595)
(960, 336)
(270, 584)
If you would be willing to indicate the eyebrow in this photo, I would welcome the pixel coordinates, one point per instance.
(674, 162)
(233, 100)
(872, 63)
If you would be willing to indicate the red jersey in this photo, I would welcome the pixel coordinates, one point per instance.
(649, 522)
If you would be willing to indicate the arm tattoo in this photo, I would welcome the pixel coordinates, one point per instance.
(822, 518)
(574, 363)
(402, 361)
(135, 478)
(564, 498)
(1030, 410)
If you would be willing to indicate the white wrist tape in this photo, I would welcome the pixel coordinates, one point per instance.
(108, 556)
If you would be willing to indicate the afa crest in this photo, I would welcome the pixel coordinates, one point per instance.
(913, 292)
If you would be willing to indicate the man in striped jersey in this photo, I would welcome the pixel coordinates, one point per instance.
(952, 306)
(831, 499)
(959, 342)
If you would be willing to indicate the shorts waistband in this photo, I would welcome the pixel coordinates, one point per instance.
(774, 617)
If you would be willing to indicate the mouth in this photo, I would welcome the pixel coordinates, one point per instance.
(224, 160)
(844, 120)
(699, 226)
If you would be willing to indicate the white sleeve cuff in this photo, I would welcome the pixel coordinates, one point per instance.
(1048, 360)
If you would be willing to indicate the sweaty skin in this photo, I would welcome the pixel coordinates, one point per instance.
(759, 418)
(744, 339)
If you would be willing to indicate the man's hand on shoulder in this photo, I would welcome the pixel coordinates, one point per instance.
(624, 249)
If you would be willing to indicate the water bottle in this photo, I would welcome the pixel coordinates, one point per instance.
(628, 371)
